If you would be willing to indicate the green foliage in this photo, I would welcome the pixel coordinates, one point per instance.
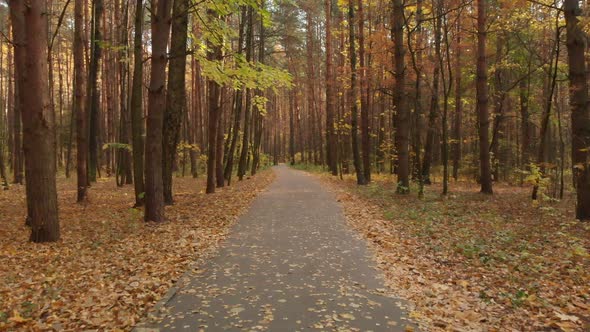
(536, 177)
(259, 103)
(309, 168)
(185, 146)
(518, 298)
(241, 74)
(234, 70)
(116, 146)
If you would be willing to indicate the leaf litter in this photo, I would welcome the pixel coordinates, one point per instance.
(110, 267)
(476, 263)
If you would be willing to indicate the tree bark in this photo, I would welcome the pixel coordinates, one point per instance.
(176, 94)
(259, 118)
(80, 103)
(154, 189)
(576, 44)
(365, 128)
(38, 126)
(93, 91)
(483, 99)
(360, 175)
(18, 34)
(242, 165)
(214, 91)
(434, 104)
(402, 118)
(238, 105)
(331, 139)
(219, 179)
(457, 133)
(137, 122)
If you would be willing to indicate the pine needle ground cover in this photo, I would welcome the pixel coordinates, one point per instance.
(473, 262)
(110, 267)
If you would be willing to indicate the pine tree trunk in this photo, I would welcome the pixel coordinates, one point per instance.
(176, 94)
(214, 94)
(259, 118)
(482, 100)
(331, 139)
(219, 179)
(402, 118)
(576, 43)
(18, 35)
(457, 134)
(365, 129)
(38, 126)
(238, 105)
(137, 121)
(154, 189)
(80, 103)
(93, 91)
(542, 154)
(242, 165)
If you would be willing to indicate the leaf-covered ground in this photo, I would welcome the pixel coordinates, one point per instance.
(109, 268)
(471, 262)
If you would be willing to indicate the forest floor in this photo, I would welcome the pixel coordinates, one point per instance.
(110, 267)
(471, 262)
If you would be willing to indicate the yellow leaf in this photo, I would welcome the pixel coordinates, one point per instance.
(17, 318)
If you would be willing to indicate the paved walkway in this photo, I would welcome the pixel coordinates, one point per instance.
(291, 264)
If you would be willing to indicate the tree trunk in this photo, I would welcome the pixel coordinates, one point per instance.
(545, 125)
(214, 92)
(525, 124)
(360, 175)
(292, 130)
(18, 35)
(219, 179)
(331, 139)
(238, 105)
(402, 118)
(93, 91)
(434, 106)
(242, 165)
(38, 125)
(154, 195)
(80, 103)
(259, 118)
(482, 99)
(137, 122)
(176, 94)
(576, 43)
(365, 128)
(457, 133)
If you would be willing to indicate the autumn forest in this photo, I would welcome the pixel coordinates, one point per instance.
(140, 137)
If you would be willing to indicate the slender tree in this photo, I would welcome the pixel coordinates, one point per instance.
(365, 127)
(18, 25)
(482, 99)
(176, 93)
(458, 120)
(242, 165)
(137, 122)
(214, 53)
(402, 132)
(154, 189)
(331, 139)
(360, 175)
(576, 46)
(93, 90)
(80, 102)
